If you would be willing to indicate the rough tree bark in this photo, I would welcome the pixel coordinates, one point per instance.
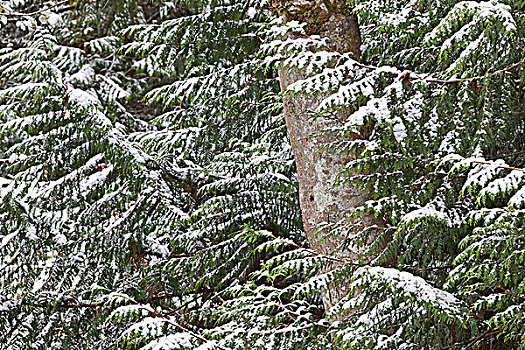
(321, 201)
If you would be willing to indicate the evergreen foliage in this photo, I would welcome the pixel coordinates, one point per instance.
(442, 87)
(148, 196)
(134, 153)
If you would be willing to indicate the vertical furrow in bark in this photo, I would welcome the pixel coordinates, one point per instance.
(320, 199)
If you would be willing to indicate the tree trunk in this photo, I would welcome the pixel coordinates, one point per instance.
(321, 201)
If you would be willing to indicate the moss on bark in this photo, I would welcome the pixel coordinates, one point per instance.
(328, 18)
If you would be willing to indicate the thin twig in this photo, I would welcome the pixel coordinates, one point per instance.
(501, 167)
(175, 324)
(427, 80)
(473, 340)
(320, 255)
(486, 334)
(19, 14)
(509, 292)
(428, 268)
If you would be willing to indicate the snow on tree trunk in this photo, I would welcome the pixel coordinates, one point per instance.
(321, 201)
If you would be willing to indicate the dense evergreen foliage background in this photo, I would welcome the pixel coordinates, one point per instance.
(148, 197)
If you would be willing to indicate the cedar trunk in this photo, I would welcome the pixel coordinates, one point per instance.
(320, 199)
